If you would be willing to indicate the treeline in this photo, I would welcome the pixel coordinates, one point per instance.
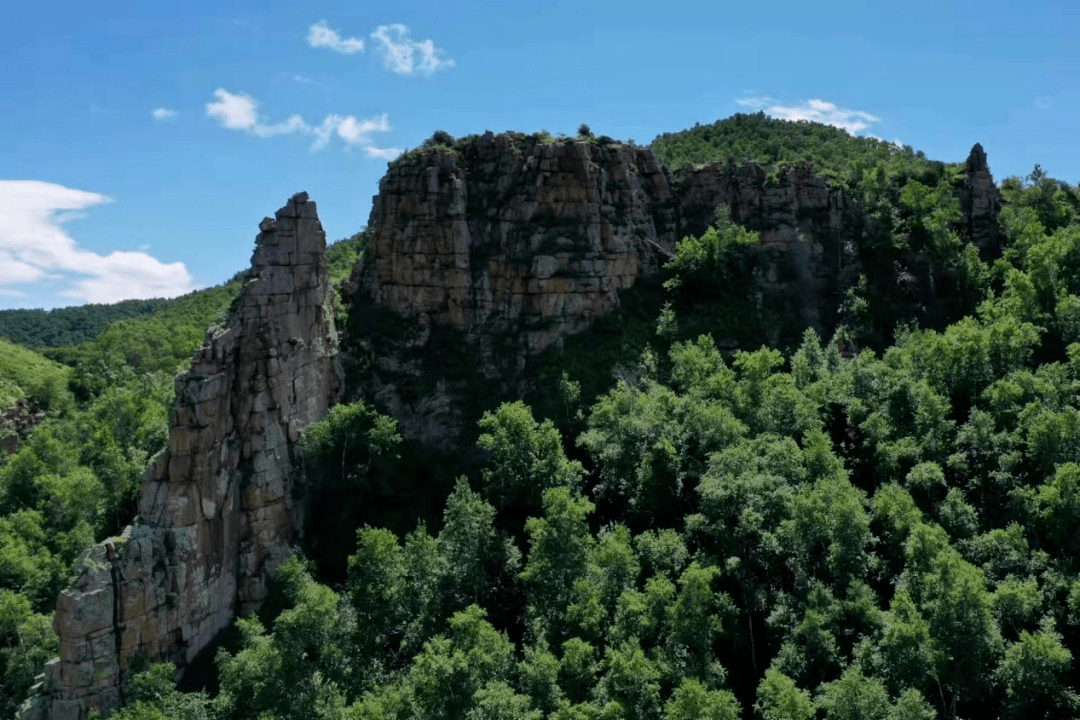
(70, 325)
(758, 138)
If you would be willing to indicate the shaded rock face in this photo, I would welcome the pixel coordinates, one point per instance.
(980, 203)
(516, 243)
(217, 514)
(802, 230)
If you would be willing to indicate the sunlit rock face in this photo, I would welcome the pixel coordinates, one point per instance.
(511, 235)
(518, 241)
(217, 514)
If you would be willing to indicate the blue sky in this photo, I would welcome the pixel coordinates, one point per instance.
(141, 143)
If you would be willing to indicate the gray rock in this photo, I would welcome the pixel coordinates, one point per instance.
(217, 507)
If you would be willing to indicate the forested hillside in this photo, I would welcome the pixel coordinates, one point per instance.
(70, 325)
(876, 525)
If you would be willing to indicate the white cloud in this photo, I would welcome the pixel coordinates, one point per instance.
(349, 129)
(241, 112)
(1044, 102)
(321, 35)
(301, 79)
(383, 153)
(405, 56)
(295, 123)
(164, 114)
(235, 112)
(816, 110)
(34, 247)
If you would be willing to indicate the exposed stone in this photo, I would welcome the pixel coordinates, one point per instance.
(216, 514)
(980, 203)
(516, 243)
(514, 235)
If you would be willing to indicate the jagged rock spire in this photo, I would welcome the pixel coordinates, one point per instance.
(216, 512)
(980, 203)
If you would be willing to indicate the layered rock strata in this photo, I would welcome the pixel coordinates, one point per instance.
(217, 514)
(508, 234)
(516, 242)
(512, 236)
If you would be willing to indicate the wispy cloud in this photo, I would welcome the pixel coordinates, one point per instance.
(241, 112)
(383, 153)
(1044, 102)
(164, 114)
(301, 79)
(35, 248)
(755, 101)
(816, 110)
(321, 35)
(349, 129)
(405, 56)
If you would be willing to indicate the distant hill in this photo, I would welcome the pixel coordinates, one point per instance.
(70, 325)
(768, 141)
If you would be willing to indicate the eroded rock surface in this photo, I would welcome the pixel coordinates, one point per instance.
(980, 202)
(511, 235)
(217, 514)
(516, 242)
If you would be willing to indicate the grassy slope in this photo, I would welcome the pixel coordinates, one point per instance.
(24, 372)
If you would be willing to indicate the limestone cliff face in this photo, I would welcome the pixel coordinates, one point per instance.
(217, 514)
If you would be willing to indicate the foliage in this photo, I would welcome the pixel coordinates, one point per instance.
(527, 457)
(70, 325)
(706, 260)
(685, 526)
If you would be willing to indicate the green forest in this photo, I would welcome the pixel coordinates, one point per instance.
(879, 525)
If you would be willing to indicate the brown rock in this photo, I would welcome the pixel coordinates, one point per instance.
(217, 514)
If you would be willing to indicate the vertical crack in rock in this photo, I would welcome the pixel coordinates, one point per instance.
(217, 510)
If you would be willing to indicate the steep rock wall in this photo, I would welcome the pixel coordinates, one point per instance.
(216, 515)
(508, 235)
(515, 242)
(980, 203)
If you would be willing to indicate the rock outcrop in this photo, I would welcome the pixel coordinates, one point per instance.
(980, 203)
(217, 513)
(509, 235)
(515, 242)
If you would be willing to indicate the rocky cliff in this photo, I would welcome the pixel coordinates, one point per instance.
(513, 242)
(509, 235)
(980, 203)
(216, 515)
